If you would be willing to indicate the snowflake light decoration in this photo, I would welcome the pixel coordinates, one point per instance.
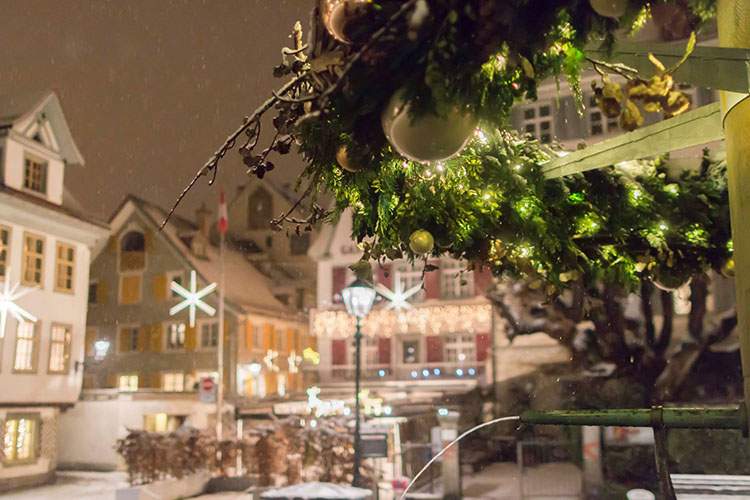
(294, 360)
(193, 298)
(398, 296)
(270, 360)
(8, 297)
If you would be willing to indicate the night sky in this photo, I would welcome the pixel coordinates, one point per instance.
(150, 88)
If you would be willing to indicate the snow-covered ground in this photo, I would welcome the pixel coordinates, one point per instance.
(75, 486)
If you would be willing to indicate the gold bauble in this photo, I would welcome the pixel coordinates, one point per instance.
(609, 8)
(421, 242)
(342, 157)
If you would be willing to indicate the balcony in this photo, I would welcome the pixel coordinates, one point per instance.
(407, 372)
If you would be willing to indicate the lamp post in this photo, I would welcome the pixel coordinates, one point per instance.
(358, 298)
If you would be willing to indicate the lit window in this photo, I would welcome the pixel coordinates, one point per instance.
(161, 422)
(20, 438)
(128, 339)
(410, 275)
(173, 382)
(460, 348)
(176, 336)
(26, 347)
(537, 121)
(35, 175)
(59, 354)
(281, 386)
(451, 276)
(128, 383)
(33, 260)
(65, 265)
(210, 334)
(4, 243)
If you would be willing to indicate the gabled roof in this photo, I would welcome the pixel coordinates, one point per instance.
(17, 109)
(245, 287)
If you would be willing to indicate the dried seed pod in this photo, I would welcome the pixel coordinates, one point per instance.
(631, 117)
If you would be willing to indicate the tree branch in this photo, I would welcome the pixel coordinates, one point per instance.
(698, 295)
(213, 162)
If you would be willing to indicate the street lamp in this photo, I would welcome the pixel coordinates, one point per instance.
(358, 298)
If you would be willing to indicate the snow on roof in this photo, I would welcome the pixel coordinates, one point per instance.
(318, 491)
(245, 286)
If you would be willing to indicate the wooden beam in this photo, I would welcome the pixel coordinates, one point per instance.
(694, 128)
(720, 68)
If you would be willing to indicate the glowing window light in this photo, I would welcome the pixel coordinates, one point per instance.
(193, 298)
(443, 412)
(8, 297)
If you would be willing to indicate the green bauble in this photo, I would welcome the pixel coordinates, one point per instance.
(421, 242)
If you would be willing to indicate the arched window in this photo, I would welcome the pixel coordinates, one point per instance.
(132, 251)
(259, 209)
(133, 241)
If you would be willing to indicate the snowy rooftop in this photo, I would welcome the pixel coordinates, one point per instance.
(317, 491)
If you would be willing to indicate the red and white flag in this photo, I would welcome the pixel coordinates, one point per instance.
(223, 222)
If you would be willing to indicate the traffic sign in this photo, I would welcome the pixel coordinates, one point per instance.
(207, 390)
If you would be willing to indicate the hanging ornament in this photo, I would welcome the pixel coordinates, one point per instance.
(428, 138)
(342, 157)
(609, 8)
(340, 16)
(727, 269)
(421, 242)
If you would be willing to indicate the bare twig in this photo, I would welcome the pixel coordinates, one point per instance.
(620, 69)
(285, 217)
(213, 162)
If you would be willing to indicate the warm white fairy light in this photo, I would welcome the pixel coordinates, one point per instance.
(480, 135)
(193, 298)
(435, 320)
(8, 297)
(311, 355)
(293, 360)
(399, 296)
(440, 167)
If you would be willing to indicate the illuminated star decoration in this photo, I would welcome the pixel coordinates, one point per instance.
(294, 360)
(311, 355)
(193, 298)
(269, 359)
(8, 297)
(398, 297)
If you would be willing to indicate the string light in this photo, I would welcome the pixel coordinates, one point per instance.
(440, 167)
(435, 320)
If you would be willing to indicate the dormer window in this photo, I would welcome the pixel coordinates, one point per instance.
(132, 251)
(35, 175)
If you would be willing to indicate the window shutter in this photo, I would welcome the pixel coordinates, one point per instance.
(339, 282)
(143, 380)
(101, 291)
(123, 344)
(338, 352)
(384, 351)
(482, 280)
(267, 337)
(155, 380)
(226, 333)
(298, 342)
(156, 337)
(434, 349)
(191, 339)
(143, 341)
(111, 380)
(290, 345)
(248, 334)
(483, 345)
(276, 339)
(432, 282)
(160, 287)
(385, 275)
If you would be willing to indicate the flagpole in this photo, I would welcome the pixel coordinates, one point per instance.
(220, 340)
